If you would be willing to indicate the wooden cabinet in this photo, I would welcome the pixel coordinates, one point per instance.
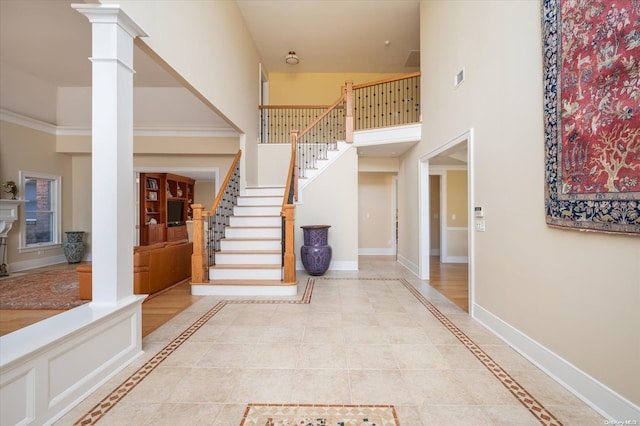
(175, 233)
(165, 206)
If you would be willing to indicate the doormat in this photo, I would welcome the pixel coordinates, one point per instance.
(319, 415)
(44, 290)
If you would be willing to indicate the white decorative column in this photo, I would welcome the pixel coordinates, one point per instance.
(113, 33)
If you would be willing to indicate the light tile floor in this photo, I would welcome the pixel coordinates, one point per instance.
(364, 338)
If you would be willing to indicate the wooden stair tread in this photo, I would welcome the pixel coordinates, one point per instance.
(261, 205)
(256, 216)
(252, 239)
(248, 252)
(253, 227)
(246, 266)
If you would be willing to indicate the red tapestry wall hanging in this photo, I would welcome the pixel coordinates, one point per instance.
(592, 114)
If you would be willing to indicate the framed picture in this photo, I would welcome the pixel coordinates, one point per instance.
(152, 196)
(152, 183)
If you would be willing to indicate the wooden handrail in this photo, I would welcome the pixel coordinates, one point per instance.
(216, 202)
(387, 80)
(292, 106)
(199, 258)
(323, 115)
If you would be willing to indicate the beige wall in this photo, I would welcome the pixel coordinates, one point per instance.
(457, 206)
(314, 88)
(209, 47)
(434, 212)
(34, 151)
(375, 215)
(577, 294)
(273, 163)
(332, 199)
(378, 164)
(457, 216)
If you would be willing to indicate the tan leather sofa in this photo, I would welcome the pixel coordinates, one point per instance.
(155, 268)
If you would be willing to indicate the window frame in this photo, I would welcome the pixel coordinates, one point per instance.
(56, 208)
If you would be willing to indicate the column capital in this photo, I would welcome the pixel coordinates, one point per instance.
(109, 14)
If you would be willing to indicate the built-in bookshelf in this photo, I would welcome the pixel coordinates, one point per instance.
(165, 207)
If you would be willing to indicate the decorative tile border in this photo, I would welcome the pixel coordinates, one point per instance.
(530, 403)
(521, 394)
(319, 415)
(100, 409)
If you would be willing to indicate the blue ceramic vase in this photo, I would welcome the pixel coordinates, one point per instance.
(315, 253)
(74, 247)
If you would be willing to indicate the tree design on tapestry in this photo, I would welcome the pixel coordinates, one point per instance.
(592, 113)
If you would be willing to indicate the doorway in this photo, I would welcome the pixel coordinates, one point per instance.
(446, 260)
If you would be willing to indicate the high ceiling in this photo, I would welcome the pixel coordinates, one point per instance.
(49, 40)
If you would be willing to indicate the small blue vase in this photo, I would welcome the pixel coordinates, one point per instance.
(316, 253)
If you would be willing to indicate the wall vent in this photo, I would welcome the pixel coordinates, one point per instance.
(459, 78)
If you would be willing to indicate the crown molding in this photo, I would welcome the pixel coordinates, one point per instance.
(23, 120)
(35, 124)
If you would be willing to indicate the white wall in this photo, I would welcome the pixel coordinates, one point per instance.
(573, 294)
(226, 74)
(332, 199)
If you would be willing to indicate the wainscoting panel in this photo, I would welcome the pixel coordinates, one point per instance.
(48, 367)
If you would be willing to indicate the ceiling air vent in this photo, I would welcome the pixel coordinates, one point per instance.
(413, 60)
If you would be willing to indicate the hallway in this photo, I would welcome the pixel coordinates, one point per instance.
(377, 336)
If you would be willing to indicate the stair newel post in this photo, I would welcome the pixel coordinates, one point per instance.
(348, 112)
(289, 251)
(198, 257)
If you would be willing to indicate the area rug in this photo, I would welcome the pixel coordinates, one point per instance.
(319, 415)
(592, 122)
(43, 290)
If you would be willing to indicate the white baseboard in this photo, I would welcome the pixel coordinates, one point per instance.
(335, 265)
(605, 401)
(36, 263)
(385, 251)
(244, 290)
(455, 259)
(409, 265)
(434, 252)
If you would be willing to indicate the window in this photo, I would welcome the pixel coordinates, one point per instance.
(40, 225)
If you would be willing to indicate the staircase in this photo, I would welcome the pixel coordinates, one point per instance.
(250, 258)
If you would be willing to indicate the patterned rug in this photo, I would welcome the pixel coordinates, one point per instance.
(44, 290)
(319, 415)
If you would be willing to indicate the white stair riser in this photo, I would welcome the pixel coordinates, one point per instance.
(253, 232)
(230, 245)
(244, 274)
(255, 221)
(248, 258)
(257, 210)
(264, 191)
(259, 201)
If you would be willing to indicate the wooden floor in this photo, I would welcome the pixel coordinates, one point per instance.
(450, 279)
(156, 310)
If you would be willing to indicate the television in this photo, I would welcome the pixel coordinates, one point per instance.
(175, 213)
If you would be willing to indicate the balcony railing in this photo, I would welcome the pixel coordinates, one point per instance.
(384, 103)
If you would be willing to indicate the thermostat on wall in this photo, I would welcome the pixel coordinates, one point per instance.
(478, 211)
